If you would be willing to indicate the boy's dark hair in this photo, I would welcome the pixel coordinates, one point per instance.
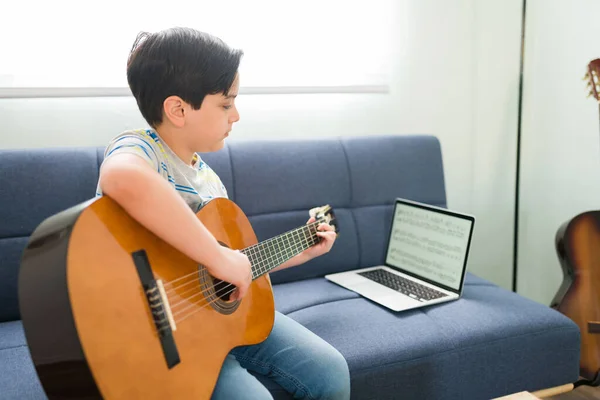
(182, 62)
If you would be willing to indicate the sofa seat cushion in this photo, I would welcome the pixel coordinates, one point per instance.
(295, 296)
(18, 378)
(489, 340)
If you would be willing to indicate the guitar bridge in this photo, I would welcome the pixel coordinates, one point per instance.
(159, 307)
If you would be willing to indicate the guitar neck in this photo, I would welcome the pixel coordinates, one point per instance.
(271, 253)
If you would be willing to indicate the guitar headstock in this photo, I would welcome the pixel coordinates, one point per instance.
(592, 76)
(325, 215)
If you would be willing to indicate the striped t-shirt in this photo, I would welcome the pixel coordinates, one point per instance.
(197, 184)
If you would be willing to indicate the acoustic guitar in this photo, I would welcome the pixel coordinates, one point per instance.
(577, 244)
(112, 311)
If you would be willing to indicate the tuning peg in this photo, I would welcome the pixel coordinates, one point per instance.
(590, 94)
(586, 76)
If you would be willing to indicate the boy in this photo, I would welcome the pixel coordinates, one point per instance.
(185, 83)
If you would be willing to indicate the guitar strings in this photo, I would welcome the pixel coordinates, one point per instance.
(172, 282)
(247, 249)
(179, 312)
(195, 303)
(259, 267)
(309, 241)
(200, 308)
(219, 291)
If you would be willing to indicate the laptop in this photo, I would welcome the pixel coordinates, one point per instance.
(425, 261)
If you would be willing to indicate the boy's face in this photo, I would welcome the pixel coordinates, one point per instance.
(207, 127)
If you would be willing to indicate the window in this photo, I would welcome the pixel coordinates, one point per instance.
(310, 43)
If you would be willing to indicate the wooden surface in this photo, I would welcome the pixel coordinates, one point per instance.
(112, 315)
(554, 390)
(580, 393)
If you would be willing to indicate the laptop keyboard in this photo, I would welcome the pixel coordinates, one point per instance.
(402, 285)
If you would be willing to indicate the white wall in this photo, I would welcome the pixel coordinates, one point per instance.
(497, 48)
(455, 75)
(560, 151)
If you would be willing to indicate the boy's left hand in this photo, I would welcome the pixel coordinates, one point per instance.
(328, 235)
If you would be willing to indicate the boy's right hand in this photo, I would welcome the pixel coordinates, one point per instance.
(234, 267)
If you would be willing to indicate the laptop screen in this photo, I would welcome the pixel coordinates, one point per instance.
(430, 243)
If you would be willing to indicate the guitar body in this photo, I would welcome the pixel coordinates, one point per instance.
(578, 248)
(86, 312)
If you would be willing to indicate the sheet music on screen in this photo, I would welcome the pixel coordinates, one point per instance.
(432, 245)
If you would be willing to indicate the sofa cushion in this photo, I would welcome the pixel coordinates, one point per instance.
(384, 167)
(489, 340)
(289, 175)
(36, 183)
(18, 379)
(11, 249)
(296, 296)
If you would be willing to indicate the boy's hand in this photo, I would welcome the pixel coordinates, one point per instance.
(234, 267)
(328, 235)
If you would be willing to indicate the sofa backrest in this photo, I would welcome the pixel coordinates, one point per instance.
(274, 182)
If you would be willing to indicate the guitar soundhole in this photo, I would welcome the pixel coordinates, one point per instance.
(222, 289)
(217, 292)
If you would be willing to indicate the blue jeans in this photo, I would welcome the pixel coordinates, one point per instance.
(300, 361)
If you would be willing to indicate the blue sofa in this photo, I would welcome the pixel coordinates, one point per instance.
(490, 343)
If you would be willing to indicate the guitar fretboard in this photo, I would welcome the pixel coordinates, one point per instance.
(271, 253)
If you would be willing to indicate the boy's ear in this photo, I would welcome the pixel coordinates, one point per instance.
(173, 108)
